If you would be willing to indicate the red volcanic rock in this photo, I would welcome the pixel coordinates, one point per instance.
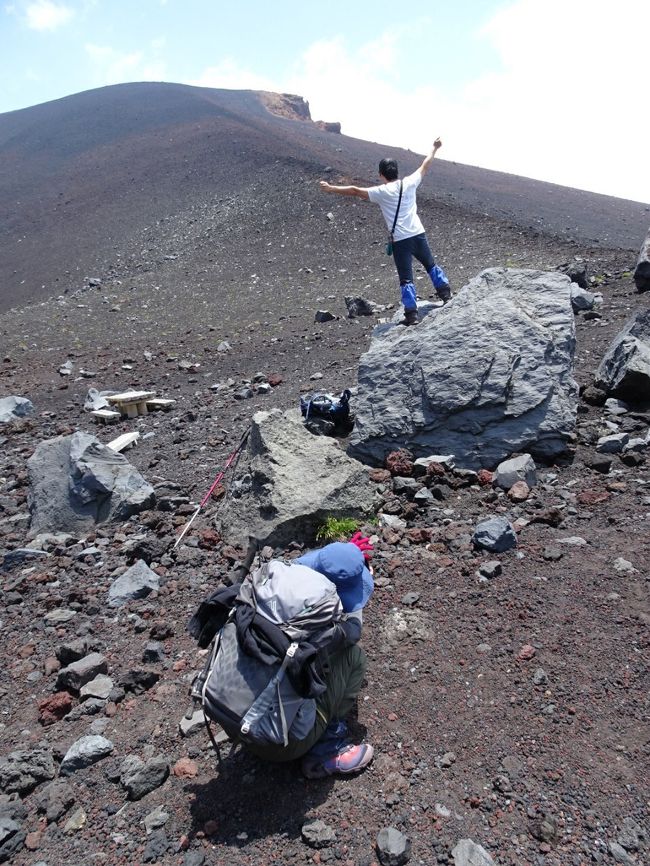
(54, 708)
(400, 463)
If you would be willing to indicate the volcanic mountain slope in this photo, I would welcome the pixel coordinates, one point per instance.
(80, 177)
(511, 710)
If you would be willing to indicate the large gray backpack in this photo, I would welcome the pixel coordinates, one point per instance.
(255, 701)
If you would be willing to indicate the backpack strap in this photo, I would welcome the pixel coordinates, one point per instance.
(264, 700)
(399, 201)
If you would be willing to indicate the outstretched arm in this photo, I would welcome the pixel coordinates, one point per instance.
(426, 162)
(358, 191)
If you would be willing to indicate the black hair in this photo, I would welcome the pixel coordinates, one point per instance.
(388, 169)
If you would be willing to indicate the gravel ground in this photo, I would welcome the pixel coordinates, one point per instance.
(512, 711)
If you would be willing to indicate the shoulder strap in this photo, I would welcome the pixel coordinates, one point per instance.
(399, 201)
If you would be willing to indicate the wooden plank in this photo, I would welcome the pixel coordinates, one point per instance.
(131, 396)
(160, 403)
(126, 440)
(106, 416)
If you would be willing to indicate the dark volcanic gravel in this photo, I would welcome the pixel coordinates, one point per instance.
(511, 710)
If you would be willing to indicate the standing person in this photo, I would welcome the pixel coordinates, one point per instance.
(398, 203)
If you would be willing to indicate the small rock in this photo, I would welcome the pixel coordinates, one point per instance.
(157, 845)
(77, 674)
(99, 687)
(54, 708)
(75, 822)
(55, 800)
(495, 534)
(22, 771)
(516, 469)
(490, 569)
(393, 847)
(317, 834)
(620, 854)
(155, 819)
(185, 768)
(539, 677)
(526, 653)
(469, 853)
(519, 492)
(141, 778)
(137, 582)
(613, 444)
(324, 316)
(85, 752)
(624, 566)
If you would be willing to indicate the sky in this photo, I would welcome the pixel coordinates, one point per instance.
(551, 89)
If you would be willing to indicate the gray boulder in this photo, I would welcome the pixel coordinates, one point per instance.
(642, 269)
(14, 407)
(137, 582)
(76, 482)
(520, 468)
(489, 374)
(495, 534)
(291, 481)
(625, 369)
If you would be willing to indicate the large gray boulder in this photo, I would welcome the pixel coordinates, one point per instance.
(489, 374)
(14, 407)
(290, 481)
(76, 482)
(642, 269)
(625, 369)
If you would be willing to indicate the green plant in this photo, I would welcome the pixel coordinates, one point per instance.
(336, 528)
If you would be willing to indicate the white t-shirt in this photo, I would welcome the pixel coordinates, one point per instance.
(387, 195)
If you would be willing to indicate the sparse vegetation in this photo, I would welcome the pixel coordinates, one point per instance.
(337, 529)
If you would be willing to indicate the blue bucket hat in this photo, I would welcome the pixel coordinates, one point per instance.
(344, 564)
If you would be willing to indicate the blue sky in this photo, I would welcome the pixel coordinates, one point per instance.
(552, 89)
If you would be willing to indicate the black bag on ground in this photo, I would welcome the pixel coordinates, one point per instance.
(265, 668)
(326, 414)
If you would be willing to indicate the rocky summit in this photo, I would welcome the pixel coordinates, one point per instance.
(165, 254)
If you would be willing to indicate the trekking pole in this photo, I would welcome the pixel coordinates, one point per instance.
(216, 481)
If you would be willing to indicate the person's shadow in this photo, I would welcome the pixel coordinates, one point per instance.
(249, 799)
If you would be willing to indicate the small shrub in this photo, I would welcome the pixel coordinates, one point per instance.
(337, 529)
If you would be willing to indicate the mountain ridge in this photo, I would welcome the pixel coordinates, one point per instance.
(84, 173)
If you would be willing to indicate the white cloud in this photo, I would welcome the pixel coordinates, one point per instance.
(229, 75)
(558, 102)
(47, 15)
(111, 66)
(558, 107)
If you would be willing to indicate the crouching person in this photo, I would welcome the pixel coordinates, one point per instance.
(285, 668)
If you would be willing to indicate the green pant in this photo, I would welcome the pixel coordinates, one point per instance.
(347, 668)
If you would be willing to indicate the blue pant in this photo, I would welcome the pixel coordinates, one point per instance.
(403, 253)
